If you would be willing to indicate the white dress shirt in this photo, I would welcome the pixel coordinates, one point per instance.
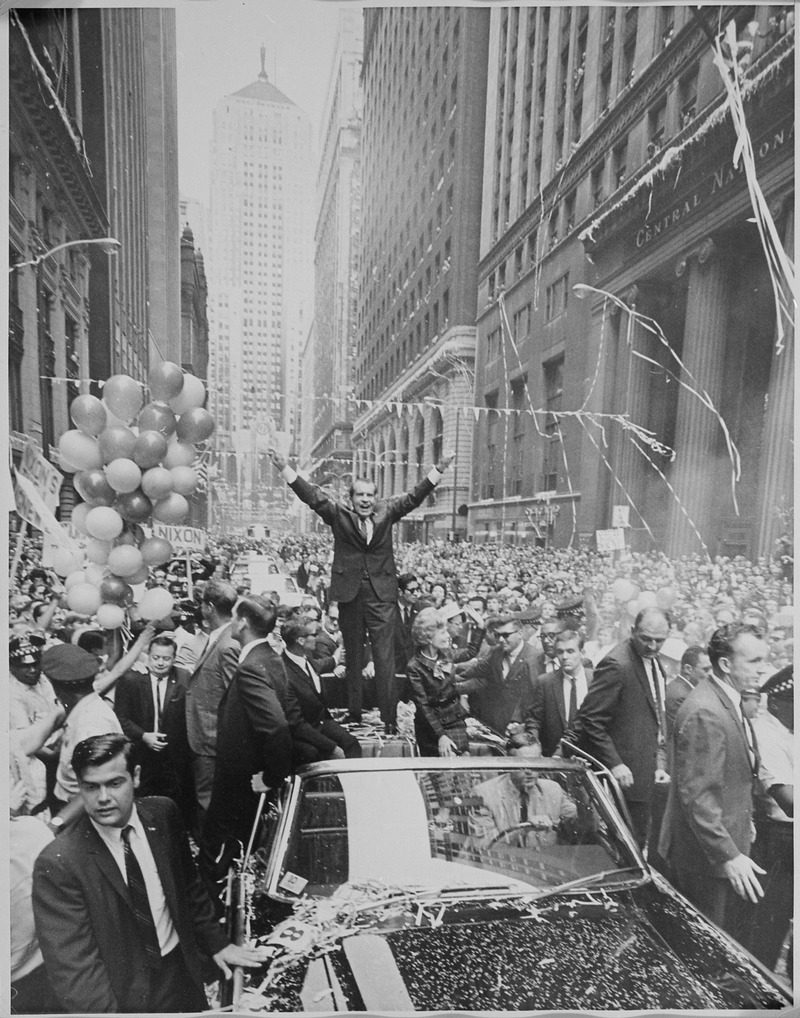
(112, 837)
(305, 664)
(249, 646)
(581, 686)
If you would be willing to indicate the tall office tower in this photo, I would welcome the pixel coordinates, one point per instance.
(610, 167)
(329, 376)
(259, 264)
(130, 115)
(424, 81)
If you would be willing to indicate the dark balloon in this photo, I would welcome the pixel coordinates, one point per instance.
(93, 487)
(157, 417)
(116, 442)
(134, 507)
(195, 425)
(116, 591)
(150, 449)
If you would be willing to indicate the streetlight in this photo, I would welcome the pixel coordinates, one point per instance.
(111, 244)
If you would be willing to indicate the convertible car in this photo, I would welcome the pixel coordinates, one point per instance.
(479, 884)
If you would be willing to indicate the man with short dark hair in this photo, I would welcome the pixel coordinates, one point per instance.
(122, 919)
(207, 684)
(500, 685)
(547, 661)
(695, 666)
(253, 738)
(315, 734)
(364, 574)
(558, 695)
(151, 708)
(707, 828)
(622, 721)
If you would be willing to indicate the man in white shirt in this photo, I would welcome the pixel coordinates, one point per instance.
(116, 936)
(558, 695)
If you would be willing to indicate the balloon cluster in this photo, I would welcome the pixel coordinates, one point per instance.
(132, 462)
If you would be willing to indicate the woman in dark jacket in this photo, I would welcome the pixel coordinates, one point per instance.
(439, 720)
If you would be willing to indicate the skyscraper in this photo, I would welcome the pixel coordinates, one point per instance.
(424, 114)
(330, 363)
(259, 265)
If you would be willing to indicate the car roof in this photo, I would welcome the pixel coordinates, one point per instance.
(464, 763)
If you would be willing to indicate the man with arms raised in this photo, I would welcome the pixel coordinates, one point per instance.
(364, 574)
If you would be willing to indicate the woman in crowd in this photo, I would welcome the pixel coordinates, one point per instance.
(439, 723)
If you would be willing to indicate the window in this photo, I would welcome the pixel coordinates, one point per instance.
(553, 389)
(518, 406)
(522, 320)
(619, 162)
(556, 297)
(598, 193)
(687, 97)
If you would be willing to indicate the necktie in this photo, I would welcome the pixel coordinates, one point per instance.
(655, 676)
(140, 902)
(523, 808)
(573, 699)
(751, 741)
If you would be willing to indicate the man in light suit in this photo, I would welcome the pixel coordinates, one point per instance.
(621, 721)
(209, 680)
(151, 711)
(558, 695)
(364, 574)
(253, 738)
(708, 825)
(122, 919)
(315, 734)
(500, 685)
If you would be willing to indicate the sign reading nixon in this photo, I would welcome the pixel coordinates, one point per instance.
(181, 538)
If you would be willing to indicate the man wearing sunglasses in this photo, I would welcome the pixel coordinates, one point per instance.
(500, 685)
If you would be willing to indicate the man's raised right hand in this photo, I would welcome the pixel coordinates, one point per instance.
(279, 461)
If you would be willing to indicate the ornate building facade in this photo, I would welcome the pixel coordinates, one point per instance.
(623, 278)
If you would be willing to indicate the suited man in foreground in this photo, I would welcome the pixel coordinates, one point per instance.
(364, 575)
(708, 825)
(558, 695)
(621, 721)
(315, 734)
(209, 680)
(253, 738)
(151, 710)
(122, 919)
(500, 685)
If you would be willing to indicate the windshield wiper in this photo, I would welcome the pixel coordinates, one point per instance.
(589, 880)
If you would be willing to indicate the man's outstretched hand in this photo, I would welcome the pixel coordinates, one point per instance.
(446, 460)
(279, 461)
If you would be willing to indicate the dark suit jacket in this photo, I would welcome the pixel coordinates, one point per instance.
(351, 553)
(133, 704)
(618, 720)
(85, 922)
(547, 719)
(496, 700)
(209, 680)
(306, 709)
(322, 657)
(708, 819)
(253, 732)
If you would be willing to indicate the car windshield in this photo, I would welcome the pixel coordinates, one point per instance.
(509, 831)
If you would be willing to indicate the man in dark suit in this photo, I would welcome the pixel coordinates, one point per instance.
(253, 738)
(695, 666)
(500, 685)
(621, 721)
(151, 710)
(315, 734)
(708, 825)
(558, 695)
(546, 659)
(209, 680)
(122, 919)
(364, 574)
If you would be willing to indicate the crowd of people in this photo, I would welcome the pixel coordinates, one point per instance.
(660, 668)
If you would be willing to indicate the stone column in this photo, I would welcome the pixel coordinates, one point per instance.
(776, 474)
(633, 387)
(697, 431)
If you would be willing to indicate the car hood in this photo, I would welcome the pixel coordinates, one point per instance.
(637, 949)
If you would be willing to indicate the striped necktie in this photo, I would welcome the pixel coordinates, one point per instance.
(140, 901)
